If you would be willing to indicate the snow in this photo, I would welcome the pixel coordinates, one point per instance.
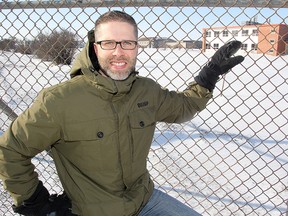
(231, 159)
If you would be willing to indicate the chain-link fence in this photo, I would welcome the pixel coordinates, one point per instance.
(232, 158)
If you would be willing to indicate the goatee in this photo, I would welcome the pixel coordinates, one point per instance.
(117, 76)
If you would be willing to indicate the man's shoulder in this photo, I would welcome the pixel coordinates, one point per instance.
(65, 88)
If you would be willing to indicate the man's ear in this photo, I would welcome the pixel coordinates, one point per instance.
(95, 48)
(91, 36)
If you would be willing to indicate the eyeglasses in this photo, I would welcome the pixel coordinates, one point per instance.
(111, 44)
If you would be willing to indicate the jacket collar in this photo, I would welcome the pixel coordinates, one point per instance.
(108, 87)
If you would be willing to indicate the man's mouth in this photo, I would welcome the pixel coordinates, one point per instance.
(118, 64)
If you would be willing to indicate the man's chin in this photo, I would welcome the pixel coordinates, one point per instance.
(119, 77)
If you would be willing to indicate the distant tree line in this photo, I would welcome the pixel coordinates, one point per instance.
(58, 46)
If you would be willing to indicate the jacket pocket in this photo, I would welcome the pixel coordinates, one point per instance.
(142, 124)
(90, 145)
(96, 129)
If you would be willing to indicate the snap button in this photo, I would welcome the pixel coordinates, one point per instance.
(100, 134)
(141, 123)
(92, 69)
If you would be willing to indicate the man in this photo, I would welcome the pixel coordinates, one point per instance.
(99, 126)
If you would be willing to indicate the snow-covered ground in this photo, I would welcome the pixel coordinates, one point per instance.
(231, 159)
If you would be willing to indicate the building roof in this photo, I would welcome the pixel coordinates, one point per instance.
(145, 38)
(246, 26)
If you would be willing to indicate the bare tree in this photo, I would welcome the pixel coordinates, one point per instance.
(59, 46)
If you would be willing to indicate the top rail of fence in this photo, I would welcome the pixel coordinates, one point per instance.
(141, 3)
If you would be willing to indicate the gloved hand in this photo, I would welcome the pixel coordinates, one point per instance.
(41, 204)
(220, 64)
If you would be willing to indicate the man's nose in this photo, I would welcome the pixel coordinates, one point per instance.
(118, 50)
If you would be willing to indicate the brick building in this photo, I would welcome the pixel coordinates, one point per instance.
(269, 39)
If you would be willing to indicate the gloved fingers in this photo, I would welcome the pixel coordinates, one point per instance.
(58, 202)
(230, 63)
(226, 51)
(20, 209)
(232, 48)
(29, 210)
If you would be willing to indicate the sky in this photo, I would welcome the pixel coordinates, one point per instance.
(180, 23)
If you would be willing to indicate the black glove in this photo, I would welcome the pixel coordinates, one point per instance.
(220, 64)
(41, 204)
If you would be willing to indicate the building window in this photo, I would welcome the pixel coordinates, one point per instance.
(272, 41)
(255, 32)
(235, 33)
(208, 46)
(245, 32)
(208, 33)
(271, 51)
(225, 33)
(273, 31)
(254, 47)
(216, 33)
(216, 46)
(244, 46)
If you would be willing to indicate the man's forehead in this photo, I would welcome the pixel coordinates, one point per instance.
(114, 24)
(114, 27)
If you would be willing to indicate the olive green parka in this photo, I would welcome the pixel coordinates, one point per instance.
(100, 132)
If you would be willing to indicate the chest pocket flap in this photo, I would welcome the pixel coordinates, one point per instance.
(142, 118)
(89, 130)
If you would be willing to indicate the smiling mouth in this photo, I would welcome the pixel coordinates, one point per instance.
(118, 64)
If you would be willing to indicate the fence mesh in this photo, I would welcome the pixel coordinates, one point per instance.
(231, 159)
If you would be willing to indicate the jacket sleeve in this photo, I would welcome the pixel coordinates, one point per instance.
(32, 132)
(178, 107)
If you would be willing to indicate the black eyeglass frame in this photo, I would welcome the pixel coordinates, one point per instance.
(117, 42)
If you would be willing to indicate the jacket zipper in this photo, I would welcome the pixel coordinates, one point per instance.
(131, 140)
(118, 143)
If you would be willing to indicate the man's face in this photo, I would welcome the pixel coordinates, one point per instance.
(117, 63)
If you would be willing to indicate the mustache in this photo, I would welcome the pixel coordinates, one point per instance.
(118, 59)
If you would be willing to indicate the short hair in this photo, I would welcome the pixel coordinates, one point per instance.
(119, 16)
